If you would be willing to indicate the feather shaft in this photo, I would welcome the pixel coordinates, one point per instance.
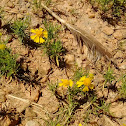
(88, 40)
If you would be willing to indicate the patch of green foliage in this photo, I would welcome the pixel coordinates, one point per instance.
(48, 2)
(97, 107)
(8, 65)
(52, 29)
(122, 90)
(75, 97)
(78, 73)
(19, 27)
(37, 3)
(122, 45)
(112, 9)
(109, 76)
(100, 108)
(71, 100)
(65, 112)
(53, 47)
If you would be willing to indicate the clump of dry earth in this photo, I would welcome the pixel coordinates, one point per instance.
(26, 101)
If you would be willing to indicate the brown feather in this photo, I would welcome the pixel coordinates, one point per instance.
(83, 38)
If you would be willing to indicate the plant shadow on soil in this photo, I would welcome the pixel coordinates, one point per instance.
(11, 114)
(21, 74)
(25, 40)
(25, 75)
(113, 17)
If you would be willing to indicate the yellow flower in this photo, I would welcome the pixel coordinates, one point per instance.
(81, 81)
(66, 83)
(39, 35)
(91, 76)
(85, 89)
(86, 82)
(80, 124)
(58, 124)
(2, 46)
(0, 34)
(123, 124)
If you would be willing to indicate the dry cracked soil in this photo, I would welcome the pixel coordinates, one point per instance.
(25, 101)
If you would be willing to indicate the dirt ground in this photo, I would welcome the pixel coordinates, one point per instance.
(26, 100)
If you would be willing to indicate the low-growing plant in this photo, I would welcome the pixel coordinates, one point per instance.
(54, 50)
(73, 93)
(48, 2)
(8, 65)
(122, 90)
(53, 46)
(78, 73)
(37, 3)
(19, 26)
(1, 12)
(109, 76)
(78, 93)
(52, 30)
(48, 39)
(111, 9)
(100, 107)
(97, 107)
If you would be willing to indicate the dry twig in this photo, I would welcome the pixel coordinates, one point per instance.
(29, 102)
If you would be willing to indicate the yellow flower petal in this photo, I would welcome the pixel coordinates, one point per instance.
(39, 35)
(80, 124)
(0, 34)
(45, 34)
(33, 37)
(58, 124)
(71, 83)
(33, 31)
(85, 89)
(60, 84)
(36, 39)
(79, 83)
(91, 76)
(91, 86)
(41, 29)
(82, 78)
(41, 40)
(2, 46)
(87, 81)
(66, 83)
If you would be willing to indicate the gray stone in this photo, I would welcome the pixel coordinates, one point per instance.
(32, 123)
